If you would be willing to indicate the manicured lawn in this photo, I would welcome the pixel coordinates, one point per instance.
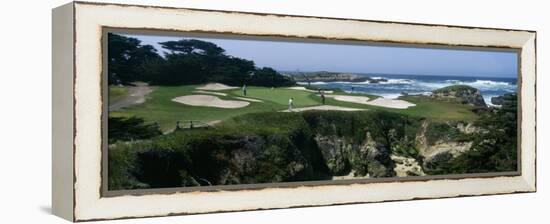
(426, 108)
(160, 108)
(439, 110)
(280, 96)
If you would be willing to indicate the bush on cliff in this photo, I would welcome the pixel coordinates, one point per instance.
(494, 149)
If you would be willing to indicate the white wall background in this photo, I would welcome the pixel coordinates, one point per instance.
(25, 112)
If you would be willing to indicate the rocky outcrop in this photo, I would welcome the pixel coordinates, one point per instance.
(407, 166)
(467, 128)
(368, 159)
(460, 94)
(334, 77)
(508, 98)
(336, 153)
(445, 147)
(378, 162)
(324, 146)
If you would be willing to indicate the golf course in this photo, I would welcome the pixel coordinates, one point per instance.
(195, 115)
(159, 105)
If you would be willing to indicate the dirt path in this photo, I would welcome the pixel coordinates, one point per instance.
(136, 95)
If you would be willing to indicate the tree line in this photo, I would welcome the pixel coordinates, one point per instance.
(187, 61)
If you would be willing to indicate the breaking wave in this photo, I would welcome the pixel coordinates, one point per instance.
(392, 87)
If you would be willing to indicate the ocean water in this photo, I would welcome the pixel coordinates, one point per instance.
(420, 84)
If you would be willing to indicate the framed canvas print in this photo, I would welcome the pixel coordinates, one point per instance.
(168, 111)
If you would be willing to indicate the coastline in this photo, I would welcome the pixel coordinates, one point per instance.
(397, 85)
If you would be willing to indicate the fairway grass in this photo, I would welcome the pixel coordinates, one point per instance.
(160, 108)
(280, 96)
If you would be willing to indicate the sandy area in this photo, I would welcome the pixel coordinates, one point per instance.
(248, 99)
(209, 101)
(208, 92)
(216, 86)
(309, 90)
(352, 99)
(324, 107)
(391, 103)
(381, 102)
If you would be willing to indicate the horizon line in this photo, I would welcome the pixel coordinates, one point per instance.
(377, 73)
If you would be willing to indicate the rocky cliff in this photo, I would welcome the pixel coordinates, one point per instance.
(316, 146)
(461, 94)
(438, 143)
(366, 159)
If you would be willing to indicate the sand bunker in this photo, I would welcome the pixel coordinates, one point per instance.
(208, 92)
(391, 103)
(249, 99)
(216, 86)
(352, 99)
(381, 102)
(324, 107)
(209, 101)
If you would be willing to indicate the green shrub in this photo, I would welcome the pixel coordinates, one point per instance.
(129, 129)
(494, 149)
(441, 131)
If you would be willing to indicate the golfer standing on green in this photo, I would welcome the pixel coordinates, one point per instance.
(244, 89)
(290, 104)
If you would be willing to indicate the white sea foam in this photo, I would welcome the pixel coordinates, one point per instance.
(487, 99)
(312, 83)
(398, 81)
(482, 85)
(393, 87)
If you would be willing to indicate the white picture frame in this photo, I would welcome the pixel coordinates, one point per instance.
(78, 30)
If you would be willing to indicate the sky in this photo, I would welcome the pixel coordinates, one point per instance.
(303, 56)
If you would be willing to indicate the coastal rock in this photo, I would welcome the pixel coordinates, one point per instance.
(468, 128)
(377, 80)
(439, 148)
(368, 159)
(335, 151)
(407, 166)
(378, 160)
(461, 94)
(373, 159)
(507, 98)
(325, 76)
(442, 153)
